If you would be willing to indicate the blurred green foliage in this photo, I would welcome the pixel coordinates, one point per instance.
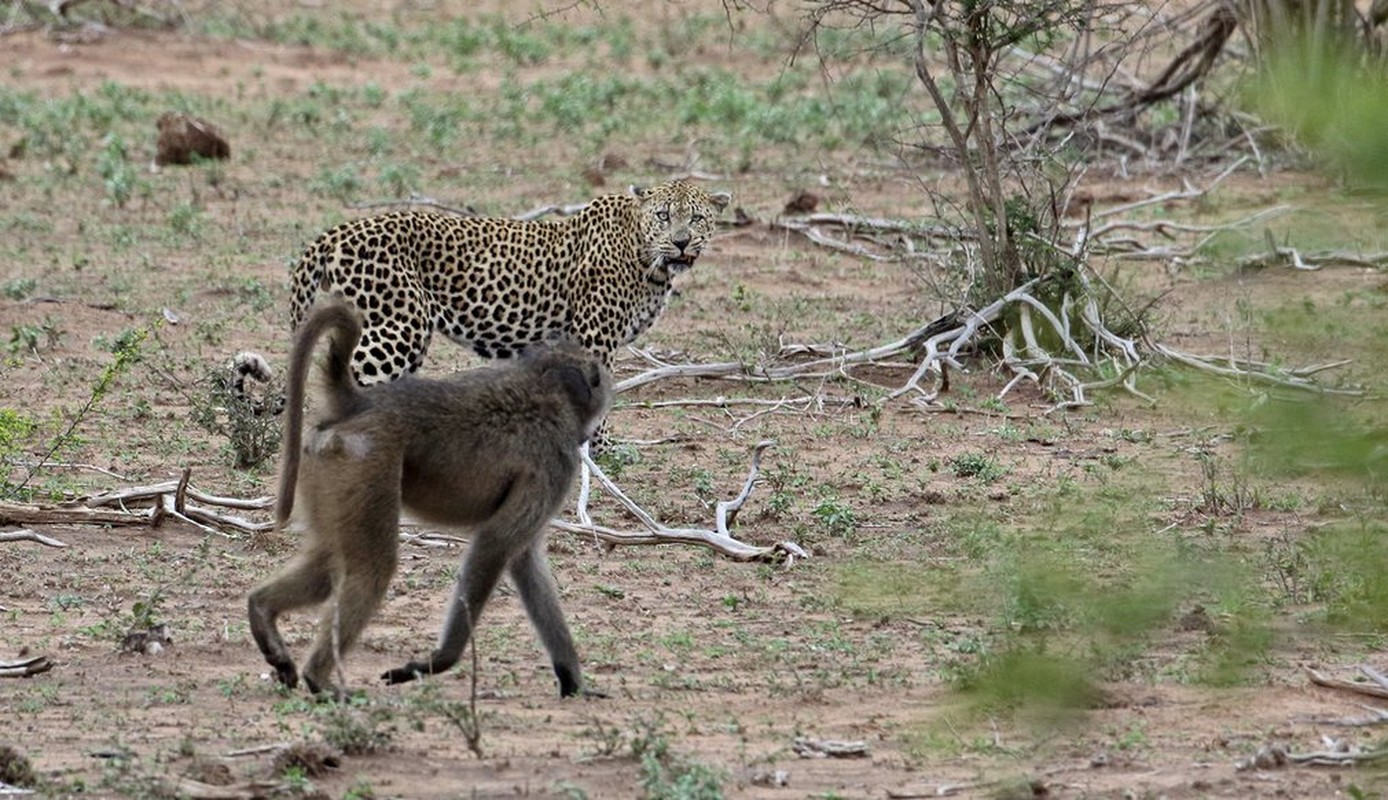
(1334, 99)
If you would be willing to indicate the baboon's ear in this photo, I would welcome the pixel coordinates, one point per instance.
(574, 384)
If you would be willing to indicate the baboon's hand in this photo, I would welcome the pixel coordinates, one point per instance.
(411, 671)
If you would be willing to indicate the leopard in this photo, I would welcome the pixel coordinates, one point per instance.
(599, 277)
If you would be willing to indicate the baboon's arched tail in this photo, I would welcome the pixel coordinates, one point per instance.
(329, 316)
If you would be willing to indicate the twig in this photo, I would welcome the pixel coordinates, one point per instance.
(1289, 379)
(1187, 192)
(247, 790)
(544, 211)
(257, 750)
(1335, 758)
(68, 465)
(726, 511)
(416, 201)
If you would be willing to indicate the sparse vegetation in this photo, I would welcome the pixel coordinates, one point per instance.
(987, 569)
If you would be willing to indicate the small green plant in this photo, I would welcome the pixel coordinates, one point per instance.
(836, 516)
(144, 614)
(186, 220)
(296, 780)
(343, 183)
(399, 179)
(609, 740)
(668, 776)
(24, 339)
(976, 465)
(614, 460)
(355, 728)
(665, 775)
(360, 790)
(118, 174)
(18, 288)
(32, 338)
(252, 433)
(571, 791)
(1218, 498)
(127, 353)
(428, 701)
(15, 768)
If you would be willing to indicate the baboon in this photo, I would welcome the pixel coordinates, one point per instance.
(495, 449)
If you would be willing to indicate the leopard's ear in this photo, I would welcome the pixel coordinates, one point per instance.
(720, 199)
(638, 191)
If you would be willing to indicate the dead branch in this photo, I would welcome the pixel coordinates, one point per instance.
(67, 465)
(1321, 679)
(1278, 255)
(26, 535)
(24, 514)
(246, 790)
(807, 747)
(544, 211)
(1337, 754)
(418, 201)
(1186, 192)
(1188, 66)
(1374, 675)
(718, 539)
(143, 506)
(1376, 716)
(900, 248)
(1248, 370)
(25, 667)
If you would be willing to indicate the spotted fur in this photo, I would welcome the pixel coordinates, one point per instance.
(599, 277)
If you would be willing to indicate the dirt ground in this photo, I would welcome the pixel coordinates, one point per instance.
(705, 661)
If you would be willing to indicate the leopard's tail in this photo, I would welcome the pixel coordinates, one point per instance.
(248, 365)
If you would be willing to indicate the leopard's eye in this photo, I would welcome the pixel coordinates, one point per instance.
(696, 219)
(663, 215)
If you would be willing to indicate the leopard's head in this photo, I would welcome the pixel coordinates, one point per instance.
(676, 221)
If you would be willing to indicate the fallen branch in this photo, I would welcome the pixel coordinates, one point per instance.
(1339, 754)
(26, 535)
(1376, 716)
(143, 506)
(246, 790)
(25, 667)
(718, 539)
(807, 747)
(1321, 679)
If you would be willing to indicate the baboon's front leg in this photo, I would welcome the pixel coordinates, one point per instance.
(535, 584)
(481, 571)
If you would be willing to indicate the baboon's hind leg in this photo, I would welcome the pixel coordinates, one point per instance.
(304, 582)
(362, 574)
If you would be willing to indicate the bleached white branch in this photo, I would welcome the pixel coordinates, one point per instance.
(719, 538)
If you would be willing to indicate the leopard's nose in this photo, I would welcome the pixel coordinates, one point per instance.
(680, 240)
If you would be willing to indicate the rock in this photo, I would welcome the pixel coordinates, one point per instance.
(184, 139)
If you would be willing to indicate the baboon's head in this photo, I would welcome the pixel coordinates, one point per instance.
(578, 376)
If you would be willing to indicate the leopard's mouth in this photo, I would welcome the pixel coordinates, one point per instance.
(678, 264)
